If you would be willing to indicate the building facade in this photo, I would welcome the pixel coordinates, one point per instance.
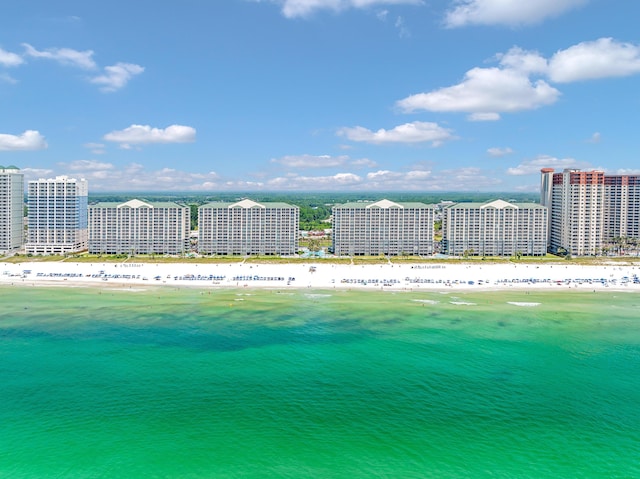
(590, 210)
(383, 227)
(11, 208)
(57, 216)
(495, 228)
(622, 207)
(139, 227)
(248, 228)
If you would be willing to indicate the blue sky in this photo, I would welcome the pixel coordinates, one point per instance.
(302, 95)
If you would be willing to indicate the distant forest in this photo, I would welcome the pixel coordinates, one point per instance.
(315, 208)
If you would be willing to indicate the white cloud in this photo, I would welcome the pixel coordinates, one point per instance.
(466, 179)
(5, 77)
(135, 177)
(499, 152)
(484, 117)
(9, 59)
(595, 138)
(520, 81)
(36, 173)
(487, 92)
(141, 134)
(416, 132)
(305, 8)
(311, 161)
(403, 30)
(64, 56)
(96, 148)
(506, 12)
(523, 61)
(363, 163)
(624, 171)
(87, 165)
(533, 166)
(602, 58)
(322, 161)
(29, 140)
(117, 76)
(296, 182)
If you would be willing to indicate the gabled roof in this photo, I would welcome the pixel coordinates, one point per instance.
(385, 204)
(135, 204)
(498, 204)
(246, 203)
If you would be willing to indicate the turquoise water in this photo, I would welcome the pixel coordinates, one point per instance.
(237, 384)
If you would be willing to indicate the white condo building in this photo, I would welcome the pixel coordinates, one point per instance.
(139, 227)
(384, 227)
(57, 216)
(495, 228)
(248, 228)
(11, 208)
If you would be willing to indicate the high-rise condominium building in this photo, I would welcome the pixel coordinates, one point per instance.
(139, 227)
(622, 207)
(495, 228)
(57, 216)
(248, 228)
(589, 209)
(11, 208)
(383, 227)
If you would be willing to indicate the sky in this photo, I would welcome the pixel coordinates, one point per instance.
(318, 95)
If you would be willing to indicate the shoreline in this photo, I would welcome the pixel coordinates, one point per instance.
(319, 276)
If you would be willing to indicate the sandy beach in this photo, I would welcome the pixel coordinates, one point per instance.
(319, 275)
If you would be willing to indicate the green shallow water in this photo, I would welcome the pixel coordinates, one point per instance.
(312, 384)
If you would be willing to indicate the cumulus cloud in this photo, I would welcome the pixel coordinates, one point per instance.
(9, 59)
(117, 76)
(533, 166)
(64, 56)
(29, 140)
(416, 132)
(506, 12)
(485, 92)
(142, 134)
(521, 80)
(497, 152)
(306, 8)
(602, 58)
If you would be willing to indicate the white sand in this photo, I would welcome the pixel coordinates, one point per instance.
(446, 276)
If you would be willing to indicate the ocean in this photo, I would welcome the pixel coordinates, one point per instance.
(188, 383)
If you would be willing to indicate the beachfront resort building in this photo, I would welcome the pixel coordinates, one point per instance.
(589, 210)
(57, 216)
(383, 228)
(139, 227)
(248, 228)
(11, 208)
(494, 228)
